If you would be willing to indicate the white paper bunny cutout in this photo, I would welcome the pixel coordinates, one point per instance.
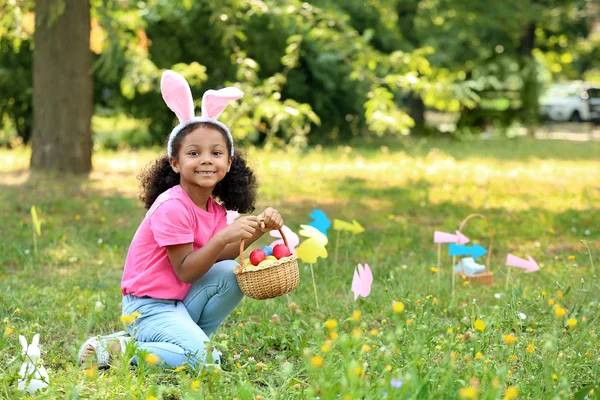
(33, 375)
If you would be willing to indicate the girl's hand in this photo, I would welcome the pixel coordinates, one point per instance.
(270, 220)
(241, 228)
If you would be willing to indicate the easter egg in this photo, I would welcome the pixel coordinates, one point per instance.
(272, 258)
(257, 256)
(281, 250)
(268, 250)
(264, 262)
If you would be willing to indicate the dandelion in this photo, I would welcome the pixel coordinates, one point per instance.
(522, 316)
(195, 384)
(551, 302)
(8, 330)
(331, 324)
(434, 270)
(355, 315)
(509, 339)
(409, 321)
(180, 368)
(479, 325)
(511, 393)
(77, 217)
(530, 348)
(571, 258)
(468, 392)
(127, 319)
(559, 311)
(317, 361)
(559, 294)
(466, 283)
(136, 315)
(151, 359)
(478, 356)
(571, 322)
(388, 368)
(554, 376)
(374, 332)
(365, 348)
(325, 348)
(398, 306)
(357, 333)
(90, 372)
(333, 335)
(543, 294)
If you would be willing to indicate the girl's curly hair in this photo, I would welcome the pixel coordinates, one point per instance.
(237, 191)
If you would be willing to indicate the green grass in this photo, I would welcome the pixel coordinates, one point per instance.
(540, 198)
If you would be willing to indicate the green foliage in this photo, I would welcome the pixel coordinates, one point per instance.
(274, 348)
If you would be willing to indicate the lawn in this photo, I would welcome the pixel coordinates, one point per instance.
(527, 336)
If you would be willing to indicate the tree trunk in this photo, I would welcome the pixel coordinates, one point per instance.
(530, 89)
(62, 87)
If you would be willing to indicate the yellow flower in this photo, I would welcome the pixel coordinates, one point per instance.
(195, 384)
(554, 376)
(333, 335)
(355, 315)
(434, 270)
(466, 283)
(325, 348)
(374, 332)
(511, 393)
(331, 324)
(388, 368)
(151, 397)
(571, 322)
(478, 356)
(8, 330)
(559, 294)
(136, 315)
(512, 358)
(530, 348)
(398, 306)
(543, 294)
(90, 372)
(317, 361)
(468, 392)
(559, 311)
(365, 348)
(77, 217)
(127, 319)
(479, 325)
(151, 359)
(571, 258)
(409, 321)
(551, 302)
(357, 333)
(180, 368)
(509, 339)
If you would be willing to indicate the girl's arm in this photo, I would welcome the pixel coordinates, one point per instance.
(190, 265)
(270, 220)
(232, 250)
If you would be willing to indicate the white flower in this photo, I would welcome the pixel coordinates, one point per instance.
(522, 316)
(99, 306)
(26, 251)
(100, 241)
(497, 295)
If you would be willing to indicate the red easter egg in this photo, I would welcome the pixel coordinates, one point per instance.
(257, 256)
(281, 250)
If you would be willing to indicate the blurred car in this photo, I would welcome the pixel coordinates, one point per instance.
(571, 101)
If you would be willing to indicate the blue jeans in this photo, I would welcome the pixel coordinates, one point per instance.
(176, 331)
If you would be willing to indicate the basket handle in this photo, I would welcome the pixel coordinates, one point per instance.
(464, 222)
(242, 249)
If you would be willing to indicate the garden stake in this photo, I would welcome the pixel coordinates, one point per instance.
(314, 286)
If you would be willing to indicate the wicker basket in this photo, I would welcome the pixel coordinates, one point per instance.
(272, 280)
(486, 277)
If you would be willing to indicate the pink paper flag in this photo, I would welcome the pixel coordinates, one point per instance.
(443, 237)
(362, 281)
(292, 239)
(528, 265)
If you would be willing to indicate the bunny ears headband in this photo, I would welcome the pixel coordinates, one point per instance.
(177, 94)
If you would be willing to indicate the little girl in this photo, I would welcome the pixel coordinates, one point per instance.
(178, 278)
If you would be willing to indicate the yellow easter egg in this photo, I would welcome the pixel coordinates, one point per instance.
(272, 258)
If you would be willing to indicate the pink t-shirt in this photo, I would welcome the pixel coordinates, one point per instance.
(173, 219)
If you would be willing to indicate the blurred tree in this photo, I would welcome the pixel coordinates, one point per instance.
(62, 87)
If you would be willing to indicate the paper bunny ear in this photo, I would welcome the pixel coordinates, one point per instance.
(177, 94)
(215, 101)
(23, 342)
(36, 340)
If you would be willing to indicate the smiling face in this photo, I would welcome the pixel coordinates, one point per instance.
(202, 159)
